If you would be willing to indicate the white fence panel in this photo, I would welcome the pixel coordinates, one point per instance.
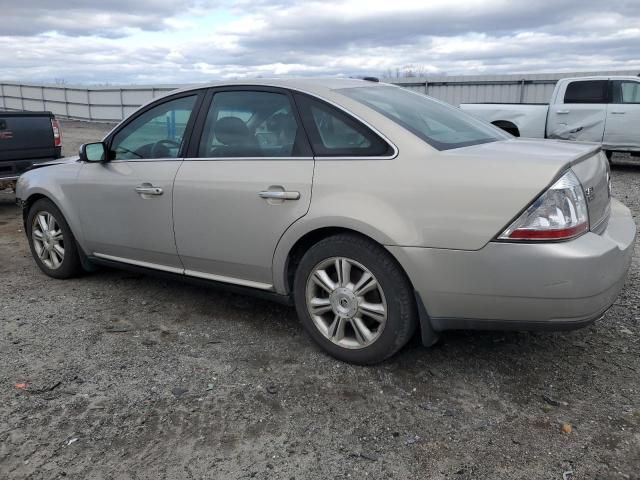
(114, 103)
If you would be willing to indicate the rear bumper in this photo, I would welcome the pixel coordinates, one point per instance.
(12, 169)
(524, 286)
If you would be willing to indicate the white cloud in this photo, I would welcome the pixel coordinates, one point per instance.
(197, 40)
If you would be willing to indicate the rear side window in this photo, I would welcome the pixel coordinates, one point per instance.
(588, 91)
(333, 133)
(626, 91)
(251, 124)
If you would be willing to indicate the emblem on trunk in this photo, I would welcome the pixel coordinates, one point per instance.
(589, 193)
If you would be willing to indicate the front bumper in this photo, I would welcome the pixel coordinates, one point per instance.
(524, 286)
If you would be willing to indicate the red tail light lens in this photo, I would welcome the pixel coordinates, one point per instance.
(57, 133)
(560, 213)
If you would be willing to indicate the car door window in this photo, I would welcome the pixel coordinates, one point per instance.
(250, 124)
(586, 91)
(335, 133)
(157, 133)
(626, 91)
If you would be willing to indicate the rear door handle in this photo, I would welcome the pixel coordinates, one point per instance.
(618, 113)
(148, 189)
(279, 195)
(562, 112)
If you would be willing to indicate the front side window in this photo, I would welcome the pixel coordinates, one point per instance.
(157, 133)
(626, 91)
(442, 126)
(586, 91)
(250, 124)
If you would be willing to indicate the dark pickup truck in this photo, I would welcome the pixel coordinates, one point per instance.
(27, 138)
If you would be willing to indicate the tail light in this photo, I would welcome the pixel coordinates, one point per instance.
(560, 213)
(57, 133)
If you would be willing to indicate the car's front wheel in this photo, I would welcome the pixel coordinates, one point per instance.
(51, 241)
(354, 299)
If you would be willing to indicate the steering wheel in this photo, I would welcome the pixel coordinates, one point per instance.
(161, 147)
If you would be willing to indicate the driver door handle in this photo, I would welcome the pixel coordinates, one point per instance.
(148, 189)
(279, 195)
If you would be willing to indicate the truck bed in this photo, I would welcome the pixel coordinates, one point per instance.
(25, 138)
(530, 118)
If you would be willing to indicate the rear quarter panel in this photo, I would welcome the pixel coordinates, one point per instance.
(457, 199)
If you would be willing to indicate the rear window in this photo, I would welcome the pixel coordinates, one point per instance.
(588, 91)
(626, 91)
(440, 125)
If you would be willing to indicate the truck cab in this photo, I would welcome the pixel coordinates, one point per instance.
(604, 110)
(596, 109)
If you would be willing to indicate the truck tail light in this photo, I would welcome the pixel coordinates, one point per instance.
(57, 133)
(560, 213)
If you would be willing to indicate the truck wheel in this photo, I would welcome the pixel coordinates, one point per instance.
(354, 300)
(52, 244)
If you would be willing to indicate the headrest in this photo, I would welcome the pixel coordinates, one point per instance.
(231, 131)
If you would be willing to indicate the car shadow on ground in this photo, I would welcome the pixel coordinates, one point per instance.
(270, 323)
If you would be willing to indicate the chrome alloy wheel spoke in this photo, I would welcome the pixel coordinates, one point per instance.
(346, 302)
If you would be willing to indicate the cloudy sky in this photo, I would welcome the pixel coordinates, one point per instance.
(168, 41)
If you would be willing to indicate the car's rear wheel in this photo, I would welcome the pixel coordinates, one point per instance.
(354, 299)
(52, 244)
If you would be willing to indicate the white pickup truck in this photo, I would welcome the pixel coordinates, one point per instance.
(605, 110)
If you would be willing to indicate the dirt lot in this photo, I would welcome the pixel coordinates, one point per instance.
(131, 377)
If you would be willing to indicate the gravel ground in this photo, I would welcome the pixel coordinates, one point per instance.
(119, 375)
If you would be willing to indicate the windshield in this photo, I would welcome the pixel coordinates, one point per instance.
(440, 125)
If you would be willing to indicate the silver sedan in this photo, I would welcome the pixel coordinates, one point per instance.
(375, 210)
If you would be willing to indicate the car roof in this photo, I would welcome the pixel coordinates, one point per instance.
(316, 86)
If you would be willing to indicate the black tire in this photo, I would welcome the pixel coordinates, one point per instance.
(401, 310)
(70, 265)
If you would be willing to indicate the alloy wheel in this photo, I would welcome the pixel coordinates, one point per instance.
(346, 302)
(48, 240)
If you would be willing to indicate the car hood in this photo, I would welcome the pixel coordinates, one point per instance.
(59, 161)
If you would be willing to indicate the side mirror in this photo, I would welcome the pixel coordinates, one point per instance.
(93, 152)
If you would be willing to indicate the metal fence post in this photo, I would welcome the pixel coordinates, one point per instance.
(66, 102)
(89, 104)
(4, 104)
(522, 83)
(121, 105)
(21, 98)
